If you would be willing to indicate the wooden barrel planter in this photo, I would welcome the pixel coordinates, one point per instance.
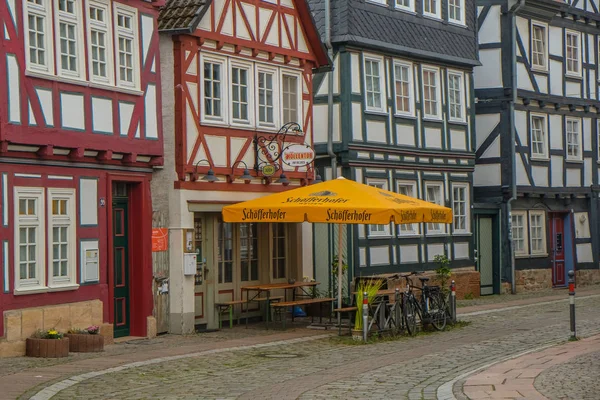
(47, 348)
(83, 343)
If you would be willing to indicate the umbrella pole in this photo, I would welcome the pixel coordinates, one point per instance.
(340, 273)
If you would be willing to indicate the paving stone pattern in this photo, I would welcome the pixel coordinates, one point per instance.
(577, 379)
(410, 368)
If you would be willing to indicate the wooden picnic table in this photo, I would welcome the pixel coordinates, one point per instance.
(268, 287)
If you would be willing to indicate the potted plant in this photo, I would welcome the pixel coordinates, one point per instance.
(85, 340)
(371, 287)
(47, 344)
(335, 264)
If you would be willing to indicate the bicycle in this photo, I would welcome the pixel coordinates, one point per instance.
(431, 308)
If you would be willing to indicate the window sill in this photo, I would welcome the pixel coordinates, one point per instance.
(432, 119)
(464, 234)
(405, 9)
(382, 236)
(30, 290)
(435, 17)
(408, 116)
(539, 158)
(574, 75)
(80, 82)
(540, 70)
(577, 161)
(63, 288)
(409, 235)
(460, 24)
(376, 112)
(436, 234)
(457, 122)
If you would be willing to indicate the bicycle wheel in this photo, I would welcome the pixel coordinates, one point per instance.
(437, 311)
(409, 313)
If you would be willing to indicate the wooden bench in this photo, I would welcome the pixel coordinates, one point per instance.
(341, 312)
(281, 306)
(225, 306)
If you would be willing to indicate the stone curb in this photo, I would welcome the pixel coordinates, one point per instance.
(50, 391)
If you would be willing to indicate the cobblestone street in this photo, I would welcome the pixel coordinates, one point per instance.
(430, 366)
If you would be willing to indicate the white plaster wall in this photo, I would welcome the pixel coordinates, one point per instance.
(489, 74)
(556, 132)
(405, 135)
(556, 170)
(490, 29)
(584, 253)
(376, 132)
(582, 225)
(540, 175)
(409, 254)
(487, 175)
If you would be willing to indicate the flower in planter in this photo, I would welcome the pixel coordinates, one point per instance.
(49, 334)
(93, 330)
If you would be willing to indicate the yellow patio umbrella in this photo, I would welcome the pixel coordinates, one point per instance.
(338, 201)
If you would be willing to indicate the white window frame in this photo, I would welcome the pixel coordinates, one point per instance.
(435, 228)
(437, 14)
(462, 13)
(39, 222)
(534, 155)
(133, 34)
(272, 253)
(277, 110)
(68, 221)
(382, 83)
(44, 11)
(461, 95)
(236, 63)
(438, 92)
(378, 2)
(224, 118)
(598, 139)
(75, 19)
(403, 7)
(576, 73)
(408, 229)
(299, 92)
(525, 238)
(579, 143)
(467, 200)
(544, 250)
(376, 230)
(105, 28)
(544, 43)
(411, 88)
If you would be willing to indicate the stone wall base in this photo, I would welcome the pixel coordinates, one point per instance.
(21, 324)
(467, 282)
(587, 277)
(530, 280)
(150, 327)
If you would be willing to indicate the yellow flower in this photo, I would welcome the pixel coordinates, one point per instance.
(52, 332)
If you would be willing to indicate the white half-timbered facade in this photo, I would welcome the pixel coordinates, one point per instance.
(401, 113)
(242, 73)
(537, 136)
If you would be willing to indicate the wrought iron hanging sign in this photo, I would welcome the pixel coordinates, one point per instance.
(269, 149)
(298, 155)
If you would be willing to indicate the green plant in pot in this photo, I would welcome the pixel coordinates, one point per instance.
(371, 287)
(335, 264)
(443, 272)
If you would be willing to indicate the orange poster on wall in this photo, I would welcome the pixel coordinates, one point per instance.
(160, 239)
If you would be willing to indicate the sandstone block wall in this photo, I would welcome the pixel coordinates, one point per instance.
(466, 279)
(529, 280)
(21, 324)
(587, 277)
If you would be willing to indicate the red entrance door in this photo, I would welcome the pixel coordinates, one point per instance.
(557, 236)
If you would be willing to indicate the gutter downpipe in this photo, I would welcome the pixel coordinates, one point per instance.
(329, 47)
(513, 196)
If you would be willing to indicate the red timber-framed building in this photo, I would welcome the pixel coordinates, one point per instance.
(242, 79)
(80, 133)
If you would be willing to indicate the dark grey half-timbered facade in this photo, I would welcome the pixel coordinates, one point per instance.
(400, 102)
(537, 147)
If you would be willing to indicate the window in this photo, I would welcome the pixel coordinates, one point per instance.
(408, 5)
(433, 193)
(539, 146)
(404, 88)
(407, 189)
(573, 53)
(225, 252)
(456, 11)
(266, 97)
(519, 232)
(100, 52)
(374, 88)
(38, 27)
(456, 96)
(573, 139)
(537, 229)
(279, 250)
(61, 236)
(29, 234)
(291, 98)
(431, 8)
(379, 230)
(69, 54)
(240, 100)
(213, 90)
(126, 38)
(460, 208)
(249, 252)
(598, 130)
(431, 93)
(539, 47)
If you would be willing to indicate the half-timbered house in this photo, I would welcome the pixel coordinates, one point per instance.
(80, 133)
(241, 73)
(399, 106)
(537, 137)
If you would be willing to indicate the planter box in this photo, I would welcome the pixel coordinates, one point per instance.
(84, 343)
(47, 348)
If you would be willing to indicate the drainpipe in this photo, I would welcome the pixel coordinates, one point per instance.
(330, 90)
(513, 189)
